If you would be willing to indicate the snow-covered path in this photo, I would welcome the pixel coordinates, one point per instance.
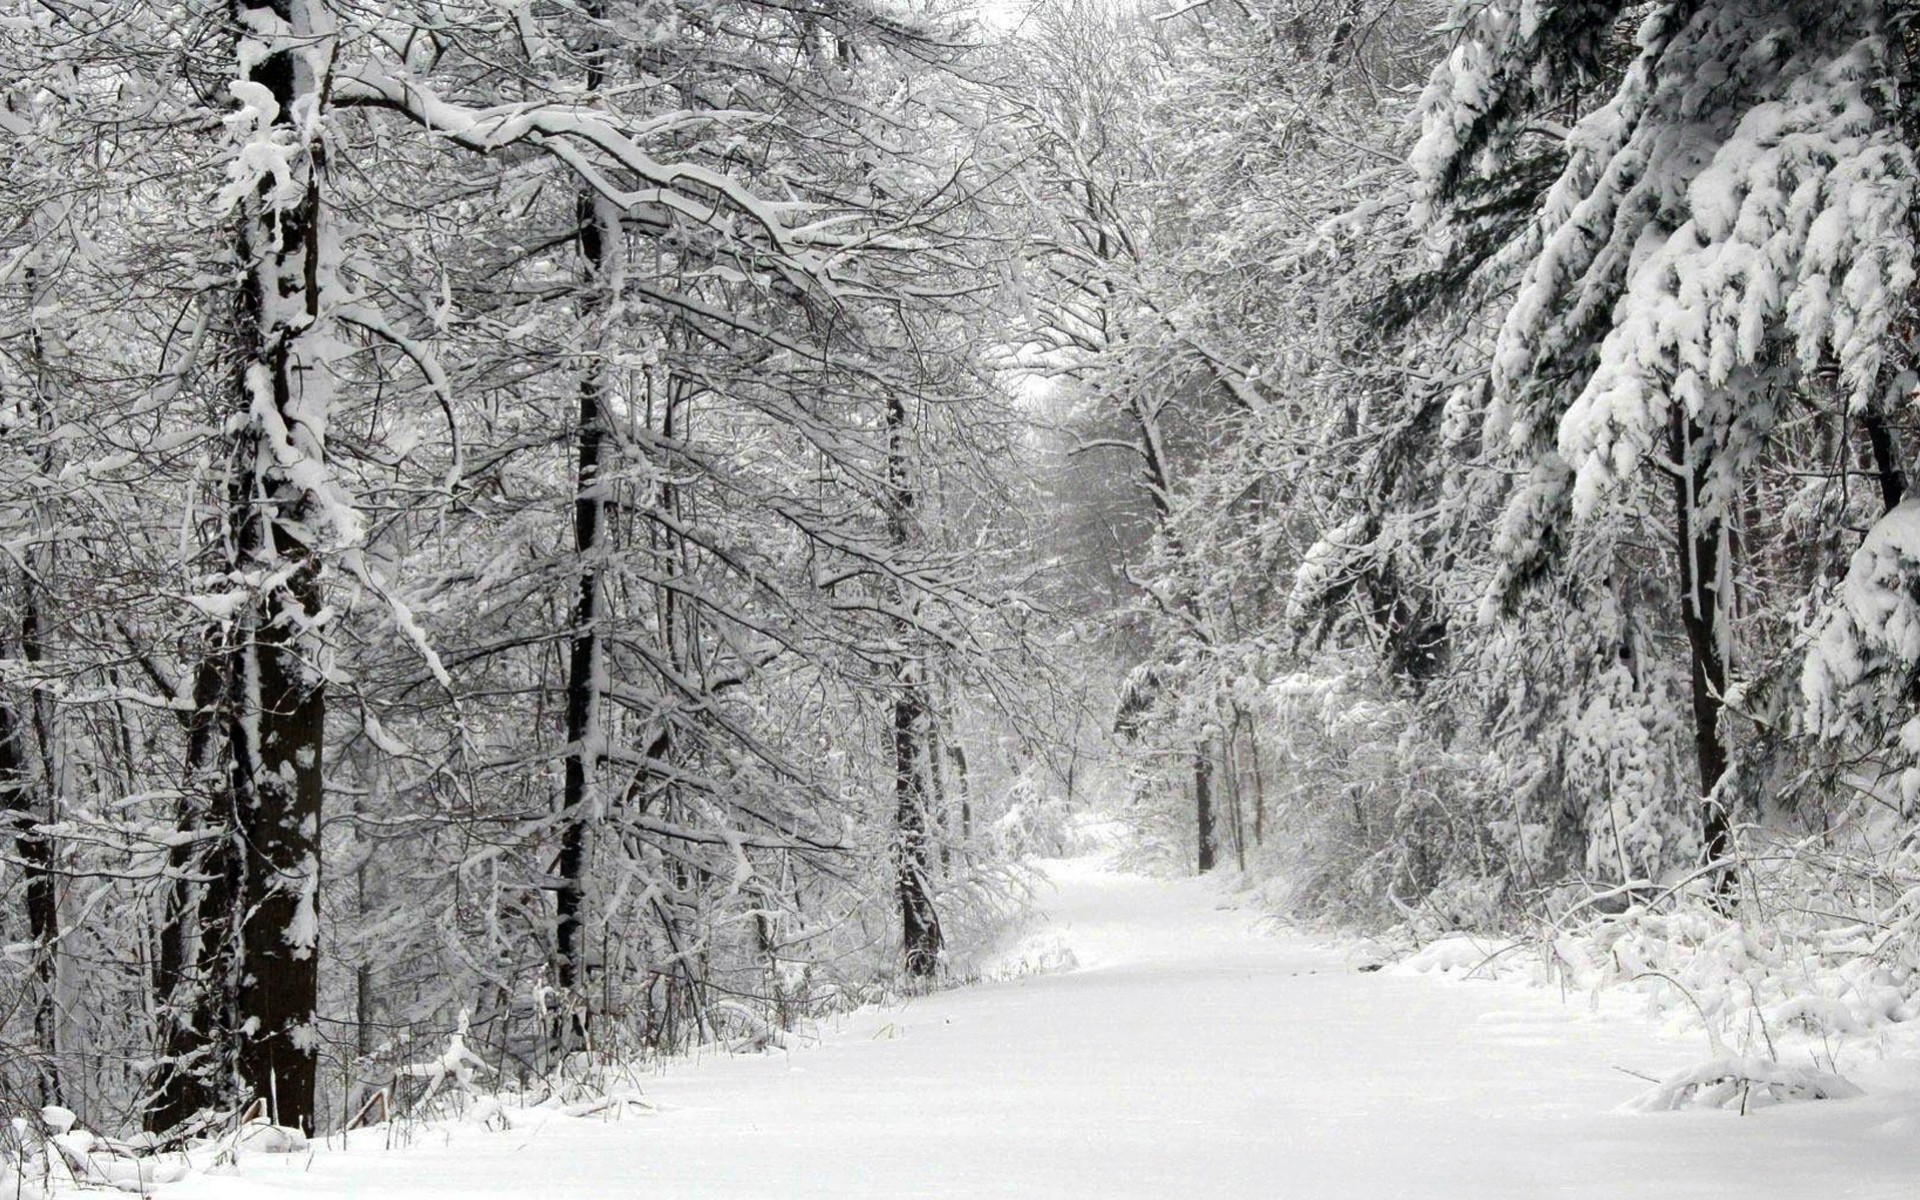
(1190, 1055)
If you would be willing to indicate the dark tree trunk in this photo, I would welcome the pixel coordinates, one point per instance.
(597, 236)
(218, 951)
(277, 720)
(583, 697)
(957, 755)
(919, 922)
(182, 1084)
(584, 649)
(1888, 469)
(1259, 780)
(1203, 807)
(939, 817)
(1236, 809)
(35, 852)
(27, 776)
(277, 730)
(1699, 543)
(277, 792)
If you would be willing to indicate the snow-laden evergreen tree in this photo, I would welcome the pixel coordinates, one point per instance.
(1725, 237)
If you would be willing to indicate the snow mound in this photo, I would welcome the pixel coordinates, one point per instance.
(1048, 954)
(262, 1136)
(1041, 951)
(1458, 952)
(1742, 1082)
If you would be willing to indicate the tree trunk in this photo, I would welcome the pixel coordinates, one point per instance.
(1236, 809)
(219, 940)
(277, 793)
(1259, 779)
(35, 852)
(377, 803)
(182, 1085)
(957, 755)
(279, 512)
(919, 922)
(599, 238)
(29, 778)
(935, 770)
(1700, 542)
(1203, 806)
(584, 648)
(1888, 469)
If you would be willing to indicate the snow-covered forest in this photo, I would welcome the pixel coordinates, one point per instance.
(542, 535)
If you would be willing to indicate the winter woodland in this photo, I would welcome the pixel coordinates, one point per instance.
(542, 535)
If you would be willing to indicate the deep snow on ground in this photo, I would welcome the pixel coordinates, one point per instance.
(1194, 1052)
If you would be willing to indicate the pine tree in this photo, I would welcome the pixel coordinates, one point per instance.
(1705, 257)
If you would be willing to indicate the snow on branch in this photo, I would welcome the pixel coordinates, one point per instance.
(1866, 654)
(1700, 252)
(455, 1065)
(565, 131)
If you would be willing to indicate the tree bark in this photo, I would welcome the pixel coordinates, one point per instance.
(599, 240)
(1236, 808)
(919, 921)
(939, 817)
(35, 852)
(1700, 542)
(1203, 807)
(957, 756)
(29, 778)
(1259, 780)
(277, 722)
(584, 650)
(1888, 469)
(277, 802)
(182, 1085)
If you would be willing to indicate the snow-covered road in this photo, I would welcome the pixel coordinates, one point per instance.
(1190, 1055)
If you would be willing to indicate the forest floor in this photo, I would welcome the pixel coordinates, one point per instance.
(1194, 1051)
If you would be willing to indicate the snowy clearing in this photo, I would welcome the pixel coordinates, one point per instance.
(1194, 1050)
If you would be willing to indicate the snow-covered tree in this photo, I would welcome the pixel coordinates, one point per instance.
(1725, 237)
(324, 328)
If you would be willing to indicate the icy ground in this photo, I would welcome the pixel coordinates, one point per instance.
(1194, 1053)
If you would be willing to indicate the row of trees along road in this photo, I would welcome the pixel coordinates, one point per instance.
(1522, 392)
(508, 510)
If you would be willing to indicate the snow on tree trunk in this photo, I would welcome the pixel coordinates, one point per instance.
(34, 852)
(919, 921)
(30, 766)
(1701, 544)
(283, 508)
(600, 252)
(601, 242)
(182, 1083)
